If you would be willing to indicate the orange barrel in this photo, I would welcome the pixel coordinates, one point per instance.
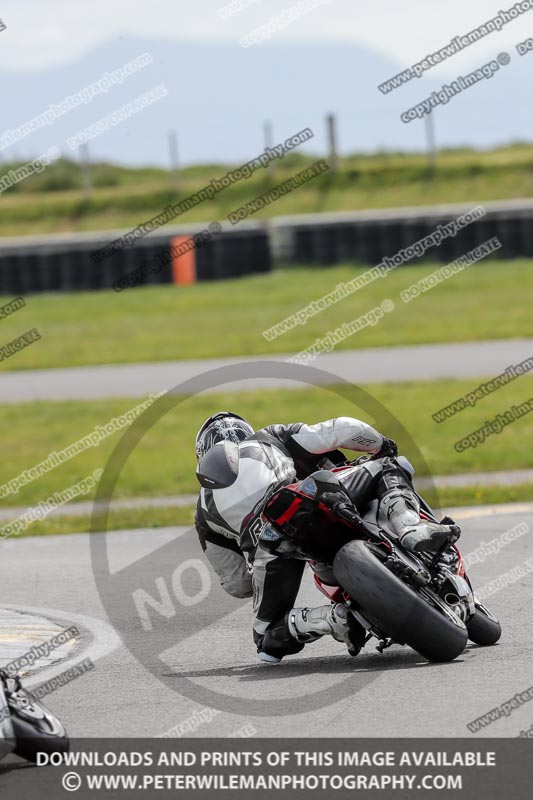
(183, 260)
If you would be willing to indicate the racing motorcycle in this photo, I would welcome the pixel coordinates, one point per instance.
(27, 727)
(424, 600)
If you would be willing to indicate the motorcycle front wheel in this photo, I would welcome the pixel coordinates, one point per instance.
(395, 608)
(36, 729)
(30, 742)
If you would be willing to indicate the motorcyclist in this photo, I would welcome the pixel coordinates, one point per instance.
(239, 470)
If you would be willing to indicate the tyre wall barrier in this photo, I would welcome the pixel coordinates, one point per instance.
(65, 263)
(368, 237)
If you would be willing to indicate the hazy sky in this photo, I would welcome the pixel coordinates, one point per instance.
(42, 33)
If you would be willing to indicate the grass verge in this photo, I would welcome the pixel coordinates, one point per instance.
(169, 517)
(55, 201)
(117, 520)
(163, 462)
(487, 301)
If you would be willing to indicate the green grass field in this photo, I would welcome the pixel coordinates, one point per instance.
(116, 521)
(487, 301)
(163, 462)
(53, 201)
(170, 517)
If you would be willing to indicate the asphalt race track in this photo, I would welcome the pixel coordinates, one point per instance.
(201, 655)
(370, 365)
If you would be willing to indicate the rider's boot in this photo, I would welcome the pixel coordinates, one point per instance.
(309, 624)
(399, 505)
(402, 509)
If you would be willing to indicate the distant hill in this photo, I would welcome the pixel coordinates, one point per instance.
(220, 94)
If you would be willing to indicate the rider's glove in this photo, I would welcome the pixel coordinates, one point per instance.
(388, 448)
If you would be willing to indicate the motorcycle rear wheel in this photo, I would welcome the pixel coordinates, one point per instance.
(395, 608)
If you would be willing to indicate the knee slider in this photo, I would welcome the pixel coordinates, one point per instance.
(237, 587)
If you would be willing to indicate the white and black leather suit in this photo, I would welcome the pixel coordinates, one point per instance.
(238, 479)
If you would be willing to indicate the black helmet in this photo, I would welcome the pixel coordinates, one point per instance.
(221, 426)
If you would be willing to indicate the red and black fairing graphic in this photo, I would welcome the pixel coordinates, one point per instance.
(460, 571)
(310, 524)
(334, 593)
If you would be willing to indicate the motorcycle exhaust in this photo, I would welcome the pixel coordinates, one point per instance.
(452, 599)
